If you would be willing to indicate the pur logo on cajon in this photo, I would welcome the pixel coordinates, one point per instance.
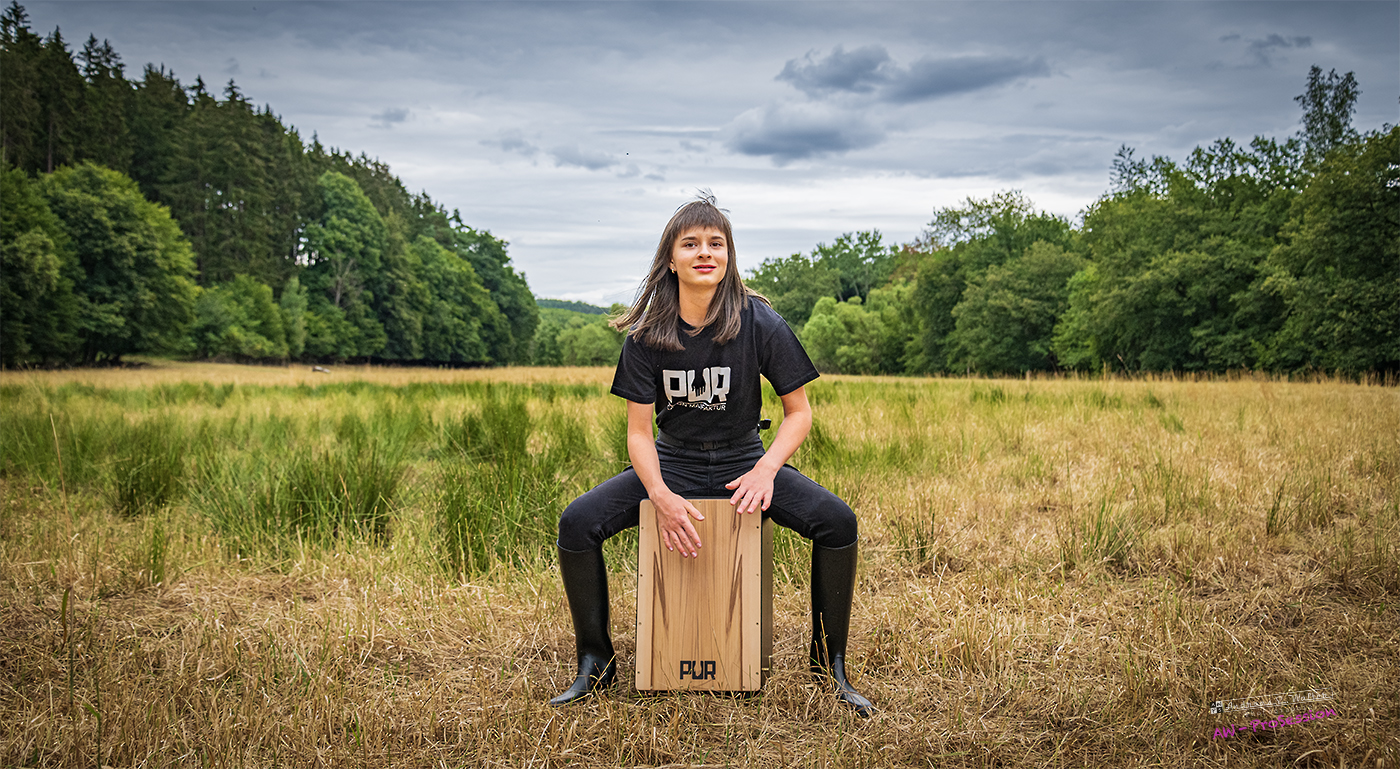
(698, 670)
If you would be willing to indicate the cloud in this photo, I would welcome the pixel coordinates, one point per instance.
(571, 155)
(788, 132)
(869, 70)
(930, 78)
(859, 71)
(1263, 50)
(389, 117)
(512, 141)
(231, 66)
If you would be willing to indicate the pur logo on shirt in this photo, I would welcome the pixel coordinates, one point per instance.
(706, 391)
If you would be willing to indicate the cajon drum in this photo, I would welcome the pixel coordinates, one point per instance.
(705, 623)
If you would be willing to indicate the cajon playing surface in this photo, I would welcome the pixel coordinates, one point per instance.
(705, 622)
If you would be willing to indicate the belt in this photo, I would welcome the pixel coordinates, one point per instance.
(744, 440)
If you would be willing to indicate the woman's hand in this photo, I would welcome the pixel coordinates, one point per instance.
(673, 513)
(753, 491)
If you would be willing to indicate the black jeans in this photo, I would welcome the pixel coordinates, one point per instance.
(798, 503)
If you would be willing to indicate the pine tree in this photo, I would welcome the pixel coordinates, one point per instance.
(21, 114)
(105, 140)
(61, 102)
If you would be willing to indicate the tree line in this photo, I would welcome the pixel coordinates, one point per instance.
(150, 216)
(1277, 255)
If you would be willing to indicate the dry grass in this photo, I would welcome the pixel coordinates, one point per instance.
(1056, 573)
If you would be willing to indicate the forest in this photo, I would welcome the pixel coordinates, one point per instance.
(153, 217)
(150, 216)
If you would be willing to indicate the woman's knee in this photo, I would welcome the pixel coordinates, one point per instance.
(838, 527)
(577, 525)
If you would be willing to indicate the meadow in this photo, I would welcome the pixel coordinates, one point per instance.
(225, 566)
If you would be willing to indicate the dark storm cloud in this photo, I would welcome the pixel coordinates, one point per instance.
(859, 71)
(1262, 50)
(930, 78)
(869, 70)
(788, 132)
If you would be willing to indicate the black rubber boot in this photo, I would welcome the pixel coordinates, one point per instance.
(586, 584)
(833, 584)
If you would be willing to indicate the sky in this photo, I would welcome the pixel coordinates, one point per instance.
(573, 130)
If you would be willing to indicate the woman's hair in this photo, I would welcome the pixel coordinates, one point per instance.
(654, 317)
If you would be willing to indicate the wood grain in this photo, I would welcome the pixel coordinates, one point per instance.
(705, 623)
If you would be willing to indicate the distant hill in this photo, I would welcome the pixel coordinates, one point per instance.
(583, 307)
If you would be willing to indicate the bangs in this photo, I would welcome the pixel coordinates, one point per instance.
(699, 213)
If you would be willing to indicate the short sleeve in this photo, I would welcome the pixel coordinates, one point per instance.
(635, 378)
(781, 358)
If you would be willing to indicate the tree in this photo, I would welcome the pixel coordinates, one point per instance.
(135, 272)
(1006, 318)
(293, 306)
(851, 266)
(793, 285)
(156, 108)
(38, 312)
(106, 140)
(589, 341)
(1175, 279)
(900, 348)
(1328, 103)
(343, 252)
(860, 261)
(973, 238)
(461, 316)
(61, 94)
(1337, 267)
(842, 337)
(239, 320)
(237, 181)
(509, 290)
(21, 115)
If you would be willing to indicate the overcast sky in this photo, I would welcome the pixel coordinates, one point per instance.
(573, 130)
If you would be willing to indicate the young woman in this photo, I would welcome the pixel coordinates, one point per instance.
(697, 342)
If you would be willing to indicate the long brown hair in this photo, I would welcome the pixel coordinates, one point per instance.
(654, 317)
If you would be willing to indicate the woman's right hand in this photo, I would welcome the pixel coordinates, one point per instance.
(673, 514)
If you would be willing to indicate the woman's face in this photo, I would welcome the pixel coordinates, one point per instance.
(700, 257)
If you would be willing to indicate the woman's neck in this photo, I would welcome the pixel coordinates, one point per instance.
(695, 305)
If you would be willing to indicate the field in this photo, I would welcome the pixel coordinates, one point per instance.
(223, 566)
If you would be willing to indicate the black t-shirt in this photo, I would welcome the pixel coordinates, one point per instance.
(710, 392)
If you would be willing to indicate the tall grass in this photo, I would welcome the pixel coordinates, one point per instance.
(148, 465)
(268, 567)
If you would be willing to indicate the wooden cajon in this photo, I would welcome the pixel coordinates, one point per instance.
(705, 623)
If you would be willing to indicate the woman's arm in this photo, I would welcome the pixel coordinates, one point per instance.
(672, 510)
(753, 491)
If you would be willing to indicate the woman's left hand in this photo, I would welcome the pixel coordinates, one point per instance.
(753, 491)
